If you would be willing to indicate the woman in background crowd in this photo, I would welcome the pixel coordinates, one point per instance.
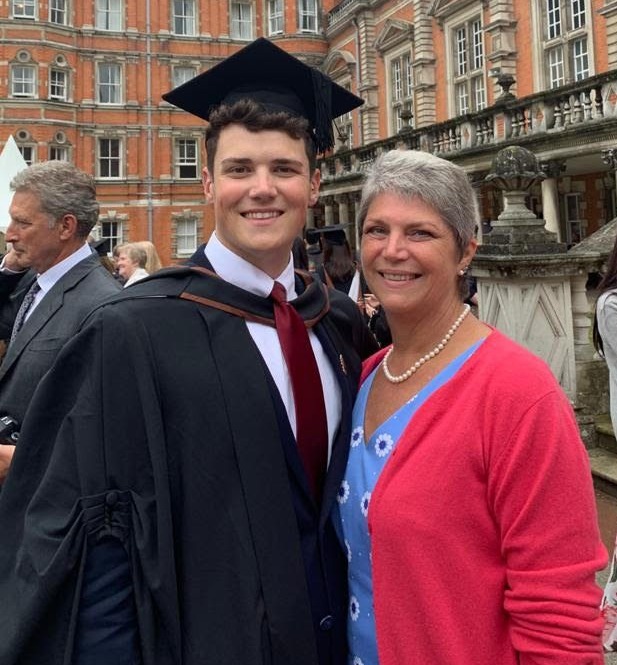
(153, 261)
(339, 270)
(131, 263)
(605, 342)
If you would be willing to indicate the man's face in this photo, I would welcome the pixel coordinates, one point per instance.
(261, 187)
(35, 244)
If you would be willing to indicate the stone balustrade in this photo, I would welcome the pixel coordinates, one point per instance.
(510, 120)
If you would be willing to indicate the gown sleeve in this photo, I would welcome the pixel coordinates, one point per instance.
(71, 488)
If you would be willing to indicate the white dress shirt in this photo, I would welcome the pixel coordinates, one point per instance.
(48, 278)
(241, 273)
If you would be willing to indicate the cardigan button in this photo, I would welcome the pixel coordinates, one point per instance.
(326, 623)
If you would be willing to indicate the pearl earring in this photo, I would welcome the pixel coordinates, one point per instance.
(463, 271)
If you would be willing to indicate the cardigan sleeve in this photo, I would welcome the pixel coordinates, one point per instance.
(540, 491)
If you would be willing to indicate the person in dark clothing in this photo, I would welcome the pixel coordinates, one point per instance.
(49, 280)
(338, 267)
(169, 514)
(339, 271)
(299, 254)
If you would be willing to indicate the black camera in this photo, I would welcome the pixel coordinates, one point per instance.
(9, 430)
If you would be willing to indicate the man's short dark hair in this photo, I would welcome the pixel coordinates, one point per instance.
(251, 115)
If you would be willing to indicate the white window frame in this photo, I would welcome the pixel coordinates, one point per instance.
(111, 230)
(566, 41)
(580, 60)
(114, 88)
(186, 236)
(308, 17)
(24, 9)
(186, 157)
(241, 26)
(188, 72)
(276, 18)
(578, 14)
(184, 18)
(28, 152)
(461, 48)
(553, 18)
(109, 15)
(111, 158)
(56, 150)
(478, 92)
(28, 84)
(469, 65)
(59, 7)
(575, 225)
(400, 86)
(58, 90)
(556, 67)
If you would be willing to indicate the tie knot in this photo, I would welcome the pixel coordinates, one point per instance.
(279, 293)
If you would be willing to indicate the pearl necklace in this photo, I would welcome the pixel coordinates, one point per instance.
(416, 366)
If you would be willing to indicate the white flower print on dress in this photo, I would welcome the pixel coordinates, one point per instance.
(364, 502)
(354, 608)
(356, 436)
(383, 445)
(343, 492)
(357, 661)
(348, 547)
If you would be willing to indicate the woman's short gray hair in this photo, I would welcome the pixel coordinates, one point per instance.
(439, 183)
(62, 189)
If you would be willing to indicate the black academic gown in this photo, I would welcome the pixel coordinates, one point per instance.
(160, 427)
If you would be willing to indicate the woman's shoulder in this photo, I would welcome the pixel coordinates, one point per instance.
(507, 364)
(607, 299)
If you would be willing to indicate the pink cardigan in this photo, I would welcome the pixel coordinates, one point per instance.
(483, 524)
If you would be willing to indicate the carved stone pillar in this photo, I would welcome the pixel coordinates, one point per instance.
(550, 195)
(477, 182)
(343, 208)
(610, 157)
(581, 321)
(530, 287)
(522, 288)
(310, 219)
(329, 211)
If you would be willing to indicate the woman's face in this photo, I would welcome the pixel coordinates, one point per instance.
(409, 255)
(126, 267)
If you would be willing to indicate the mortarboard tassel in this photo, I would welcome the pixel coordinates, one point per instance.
(322, 89)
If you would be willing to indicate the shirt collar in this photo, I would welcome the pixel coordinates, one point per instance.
(239, 272)
(48, 278)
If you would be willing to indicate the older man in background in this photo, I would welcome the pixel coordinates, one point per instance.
(49, 280)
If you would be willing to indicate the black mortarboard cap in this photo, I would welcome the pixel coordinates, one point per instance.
(275, 79)
(333, 235)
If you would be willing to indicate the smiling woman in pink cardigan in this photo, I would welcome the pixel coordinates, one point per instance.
(467, 508)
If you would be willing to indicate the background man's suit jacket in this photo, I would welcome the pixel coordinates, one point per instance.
(48, 328)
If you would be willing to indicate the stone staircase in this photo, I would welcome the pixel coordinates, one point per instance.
(603, 457)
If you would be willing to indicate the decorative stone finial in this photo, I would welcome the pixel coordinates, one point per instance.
(505, 82)
(515, 168)
(517, 231)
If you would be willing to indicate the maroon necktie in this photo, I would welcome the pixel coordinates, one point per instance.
(311, 423)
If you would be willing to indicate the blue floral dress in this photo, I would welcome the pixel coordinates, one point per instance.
(367, 460)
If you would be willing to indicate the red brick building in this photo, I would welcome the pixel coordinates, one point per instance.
(83, 81)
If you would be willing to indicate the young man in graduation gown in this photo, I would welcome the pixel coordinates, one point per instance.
(160, 508)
